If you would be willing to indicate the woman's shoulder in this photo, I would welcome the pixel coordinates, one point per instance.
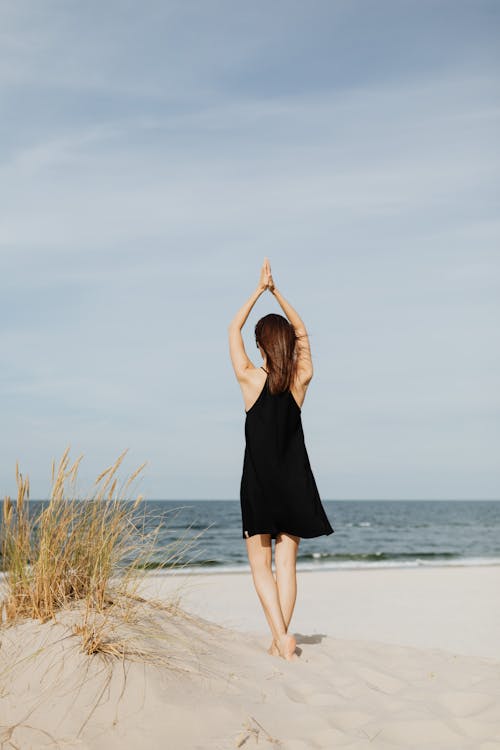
(252, 374)
(251, 384)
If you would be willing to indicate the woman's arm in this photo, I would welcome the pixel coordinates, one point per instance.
(239, 358)
(241, 316)
(290, 313)
(304, 359)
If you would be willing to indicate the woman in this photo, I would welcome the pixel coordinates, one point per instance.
(278, 494)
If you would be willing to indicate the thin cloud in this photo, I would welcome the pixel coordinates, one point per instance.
(140, 193)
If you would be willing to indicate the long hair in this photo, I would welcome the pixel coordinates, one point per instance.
(276, 335)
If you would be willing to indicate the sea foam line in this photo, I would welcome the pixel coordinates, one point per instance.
(347, 565)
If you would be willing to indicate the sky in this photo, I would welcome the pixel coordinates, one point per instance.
(152, 154)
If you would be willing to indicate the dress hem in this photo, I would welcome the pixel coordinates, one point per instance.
(286, 531)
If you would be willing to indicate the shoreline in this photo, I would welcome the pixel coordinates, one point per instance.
(221, 569)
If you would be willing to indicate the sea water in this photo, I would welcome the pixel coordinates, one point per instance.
(368, 534)
(204, 536)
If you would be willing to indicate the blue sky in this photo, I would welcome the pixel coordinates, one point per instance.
(152, 154)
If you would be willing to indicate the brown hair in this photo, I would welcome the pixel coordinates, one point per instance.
(277, 337)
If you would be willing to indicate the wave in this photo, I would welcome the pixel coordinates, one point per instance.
(378, 556)
(350, 562)
(322, 561)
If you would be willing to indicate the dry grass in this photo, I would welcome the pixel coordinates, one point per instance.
(85, 551)
(75, 564)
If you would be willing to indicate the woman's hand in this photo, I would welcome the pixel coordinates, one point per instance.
(266, 280)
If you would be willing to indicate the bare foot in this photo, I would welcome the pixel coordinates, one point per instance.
(286, 646)
(273, 649)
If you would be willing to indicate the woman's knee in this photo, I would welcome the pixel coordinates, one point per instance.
(261, 567)
(286, 565)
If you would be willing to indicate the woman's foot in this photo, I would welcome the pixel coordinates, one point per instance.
(273, 649)
(286, 647)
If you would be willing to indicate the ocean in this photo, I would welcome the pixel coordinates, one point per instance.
(204, 536)
(367, 534)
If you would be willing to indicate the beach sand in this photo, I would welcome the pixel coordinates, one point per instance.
(389, 659)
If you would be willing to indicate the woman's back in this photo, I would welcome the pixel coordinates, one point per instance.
(278, 492)
(256, 378)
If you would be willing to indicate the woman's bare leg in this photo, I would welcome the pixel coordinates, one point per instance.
(285, 558)
(259, 549)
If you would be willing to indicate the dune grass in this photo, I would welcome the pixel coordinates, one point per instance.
(88, 552)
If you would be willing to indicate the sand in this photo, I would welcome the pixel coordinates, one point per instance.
(389, 659)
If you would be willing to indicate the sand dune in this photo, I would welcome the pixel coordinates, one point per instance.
(212, 687)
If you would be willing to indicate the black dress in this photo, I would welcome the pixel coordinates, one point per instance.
(278, 492)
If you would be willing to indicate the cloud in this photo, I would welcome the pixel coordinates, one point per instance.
(140, 192)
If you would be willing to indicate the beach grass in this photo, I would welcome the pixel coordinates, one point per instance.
(88, 554)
